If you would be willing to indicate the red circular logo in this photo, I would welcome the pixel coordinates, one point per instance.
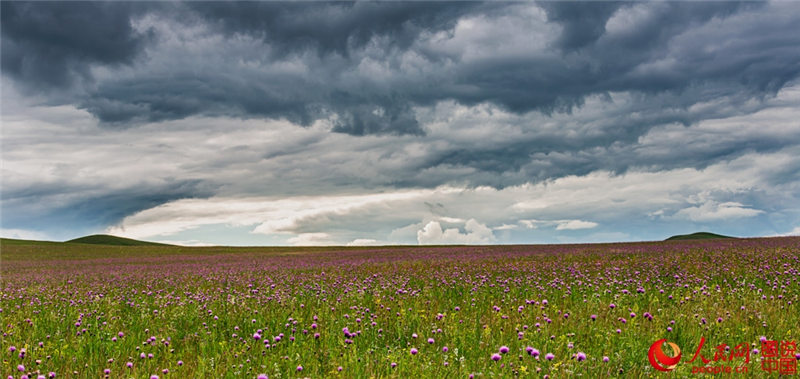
(659, 359)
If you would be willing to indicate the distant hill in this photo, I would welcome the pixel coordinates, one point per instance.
(697, 236)
(104, 239)
(14, 241)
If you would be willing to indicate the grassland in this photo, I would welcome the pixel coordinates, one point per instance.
(81, 309)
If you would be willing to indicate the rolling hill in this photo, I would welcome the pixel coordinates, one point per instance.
(697, 236)
(104, 239)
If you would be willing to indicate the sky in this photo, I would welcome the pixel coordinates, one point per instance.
(272, 123)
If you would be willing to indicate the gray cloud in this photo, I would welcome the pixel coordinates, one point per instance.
(307, 99)
(87, 209)
(369, 64)
(331, 27)
(582, 22)
(52, 45)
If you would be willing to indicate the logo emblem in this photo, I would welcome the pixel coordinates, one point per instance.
(660, 360)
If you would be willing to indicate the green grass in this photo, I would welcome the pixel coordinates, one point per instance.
(696, 236)
(104, 239)
(19, 242)
(194, 300)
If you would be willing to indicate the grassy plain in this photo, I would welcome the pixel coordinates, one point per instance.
(81, 309)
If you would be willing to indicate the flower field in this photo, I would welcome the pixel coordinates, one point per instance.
(88, 311)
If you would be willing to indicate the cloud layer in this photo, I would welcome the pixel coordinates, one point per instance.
(436, 122)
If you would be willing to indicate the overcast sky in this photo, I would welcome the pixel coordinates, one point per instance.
(399, 123)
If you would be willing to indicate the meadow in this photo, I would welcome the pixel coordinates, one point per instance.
(91, 311)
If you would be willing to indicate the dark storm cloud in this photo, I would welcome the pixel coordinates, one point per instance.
(51, 45)
(48, 44)
(582, 22)
(331, 27)
(92, 207)
(367, 66)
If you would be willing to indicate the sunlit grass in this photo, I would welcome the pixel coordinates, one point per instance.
(203, 306)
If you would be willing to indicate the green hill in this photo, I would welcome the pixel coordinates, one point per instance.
(104, 239)
(14, 241)
(697, 236)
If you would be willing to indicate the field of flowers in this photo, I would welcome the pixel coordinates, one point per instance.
(84, 311)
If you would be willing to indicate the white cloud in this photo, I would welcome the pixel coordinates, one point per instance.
(506, 227)
(452, 220)
(415, 215)
(794, 232)
(363, 242)
(311, 239)
(715, 211)
(475, 233)
(268, 215)
(184, 242)
(575, 225)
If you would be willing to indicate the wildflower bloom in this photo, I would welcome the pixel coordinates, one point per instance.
(503, 349)
(444, 349)
(496, 357)
(414, 351)
(262, 376)
(580, 356)
(549, 356)
(605, 359)
(430, 340)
